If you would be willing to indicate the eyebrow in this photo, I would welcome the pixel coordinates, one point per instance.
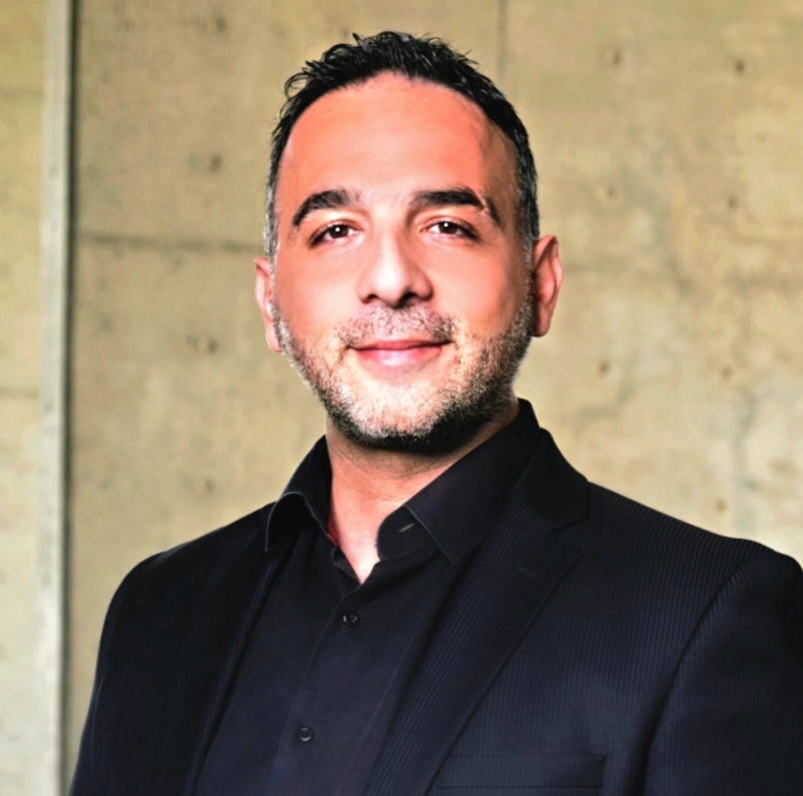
(323, 200)
(457, 196)
(338, 197)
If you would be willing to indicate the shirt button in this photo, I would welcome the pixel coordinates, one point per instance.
(305, 734)
(351, 620)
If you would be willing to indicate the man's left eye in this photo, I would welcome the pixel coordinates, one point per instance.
(451, 228)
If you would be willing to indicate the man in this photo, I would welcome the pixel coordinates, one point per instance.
(437, 601)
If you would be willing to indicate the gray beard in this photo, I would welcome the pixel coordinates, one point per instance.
(487, 393)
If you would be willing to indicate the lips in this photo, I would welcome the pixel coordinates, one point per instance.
(397, 345)
(405, 353)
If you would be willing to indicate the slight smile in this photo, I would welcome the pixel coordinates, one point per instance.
(399, 353)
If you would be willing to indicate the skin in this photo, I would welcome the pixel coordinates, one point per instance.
(376, 217)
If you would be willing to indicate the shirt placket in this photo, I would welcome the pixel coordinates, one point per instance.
(306, 734)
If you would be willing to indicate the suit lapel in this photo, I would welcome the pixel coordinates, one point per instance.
(508, 584)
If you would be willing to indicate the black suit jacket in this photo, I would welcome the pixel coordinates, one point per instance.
(594, 646)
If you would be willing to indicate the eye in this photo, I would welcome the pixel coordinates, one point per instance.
(452, 228)
(336, 231)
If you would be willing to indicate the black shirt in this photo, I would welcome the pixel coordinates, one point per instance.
(329, 658)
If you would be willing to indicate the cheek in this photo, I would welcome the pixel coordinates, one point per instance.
(488, 306)
(312, 313)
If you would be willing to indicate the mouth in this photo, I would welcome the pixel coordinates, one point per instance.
(398, 345)
(403, 353)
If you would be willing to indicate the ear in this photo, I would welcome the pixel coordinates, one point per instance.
(263, 294)
(547, 277)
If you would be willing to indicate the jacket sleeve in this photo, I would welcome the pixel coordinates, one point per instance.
(732, 722)
(93, 762)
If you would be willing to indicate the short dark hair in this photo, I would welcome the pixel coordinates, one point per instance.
(424, 58)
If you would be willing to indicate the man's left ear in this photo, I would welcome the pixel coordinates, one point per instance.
(263, 293)
(547, 277)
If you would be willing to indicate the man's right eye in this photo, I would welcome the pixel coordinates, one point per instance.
(332, 232)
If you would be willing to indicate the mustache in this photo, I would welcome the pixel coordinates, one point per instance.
(382, 321)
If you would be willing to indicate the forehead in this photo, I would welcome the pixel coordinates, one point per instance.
(392, 132)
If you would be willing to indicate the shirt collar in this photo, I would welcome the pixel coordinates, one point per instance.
(457, 509)
(308, 488)
(461, 506)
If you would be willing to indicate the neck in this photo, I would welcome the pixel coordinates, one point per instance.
(370, 483)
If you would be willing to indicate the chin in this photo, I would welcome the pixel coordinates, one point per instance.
(435, 431)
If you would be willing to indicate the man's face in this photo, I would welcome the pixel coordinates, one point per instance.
(400, 288)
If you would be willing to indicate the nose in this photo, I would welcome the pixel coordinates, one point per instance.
(392, 274)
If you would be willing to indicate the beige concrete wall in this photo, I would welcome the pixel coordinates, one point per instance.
(30, 564)
(667, 140)
(672, 168)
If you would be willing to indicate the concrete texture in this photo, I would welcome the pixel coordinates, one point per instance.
(25, 748)
(671, 171)
(666, 135)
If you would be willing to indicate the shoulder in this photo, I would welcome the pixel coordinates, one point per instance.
(630, 525)
(648, 591)
(246, 530)
(608, 527)
(630, 555)
(166, 588)
(191, 563)
(664, 557)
